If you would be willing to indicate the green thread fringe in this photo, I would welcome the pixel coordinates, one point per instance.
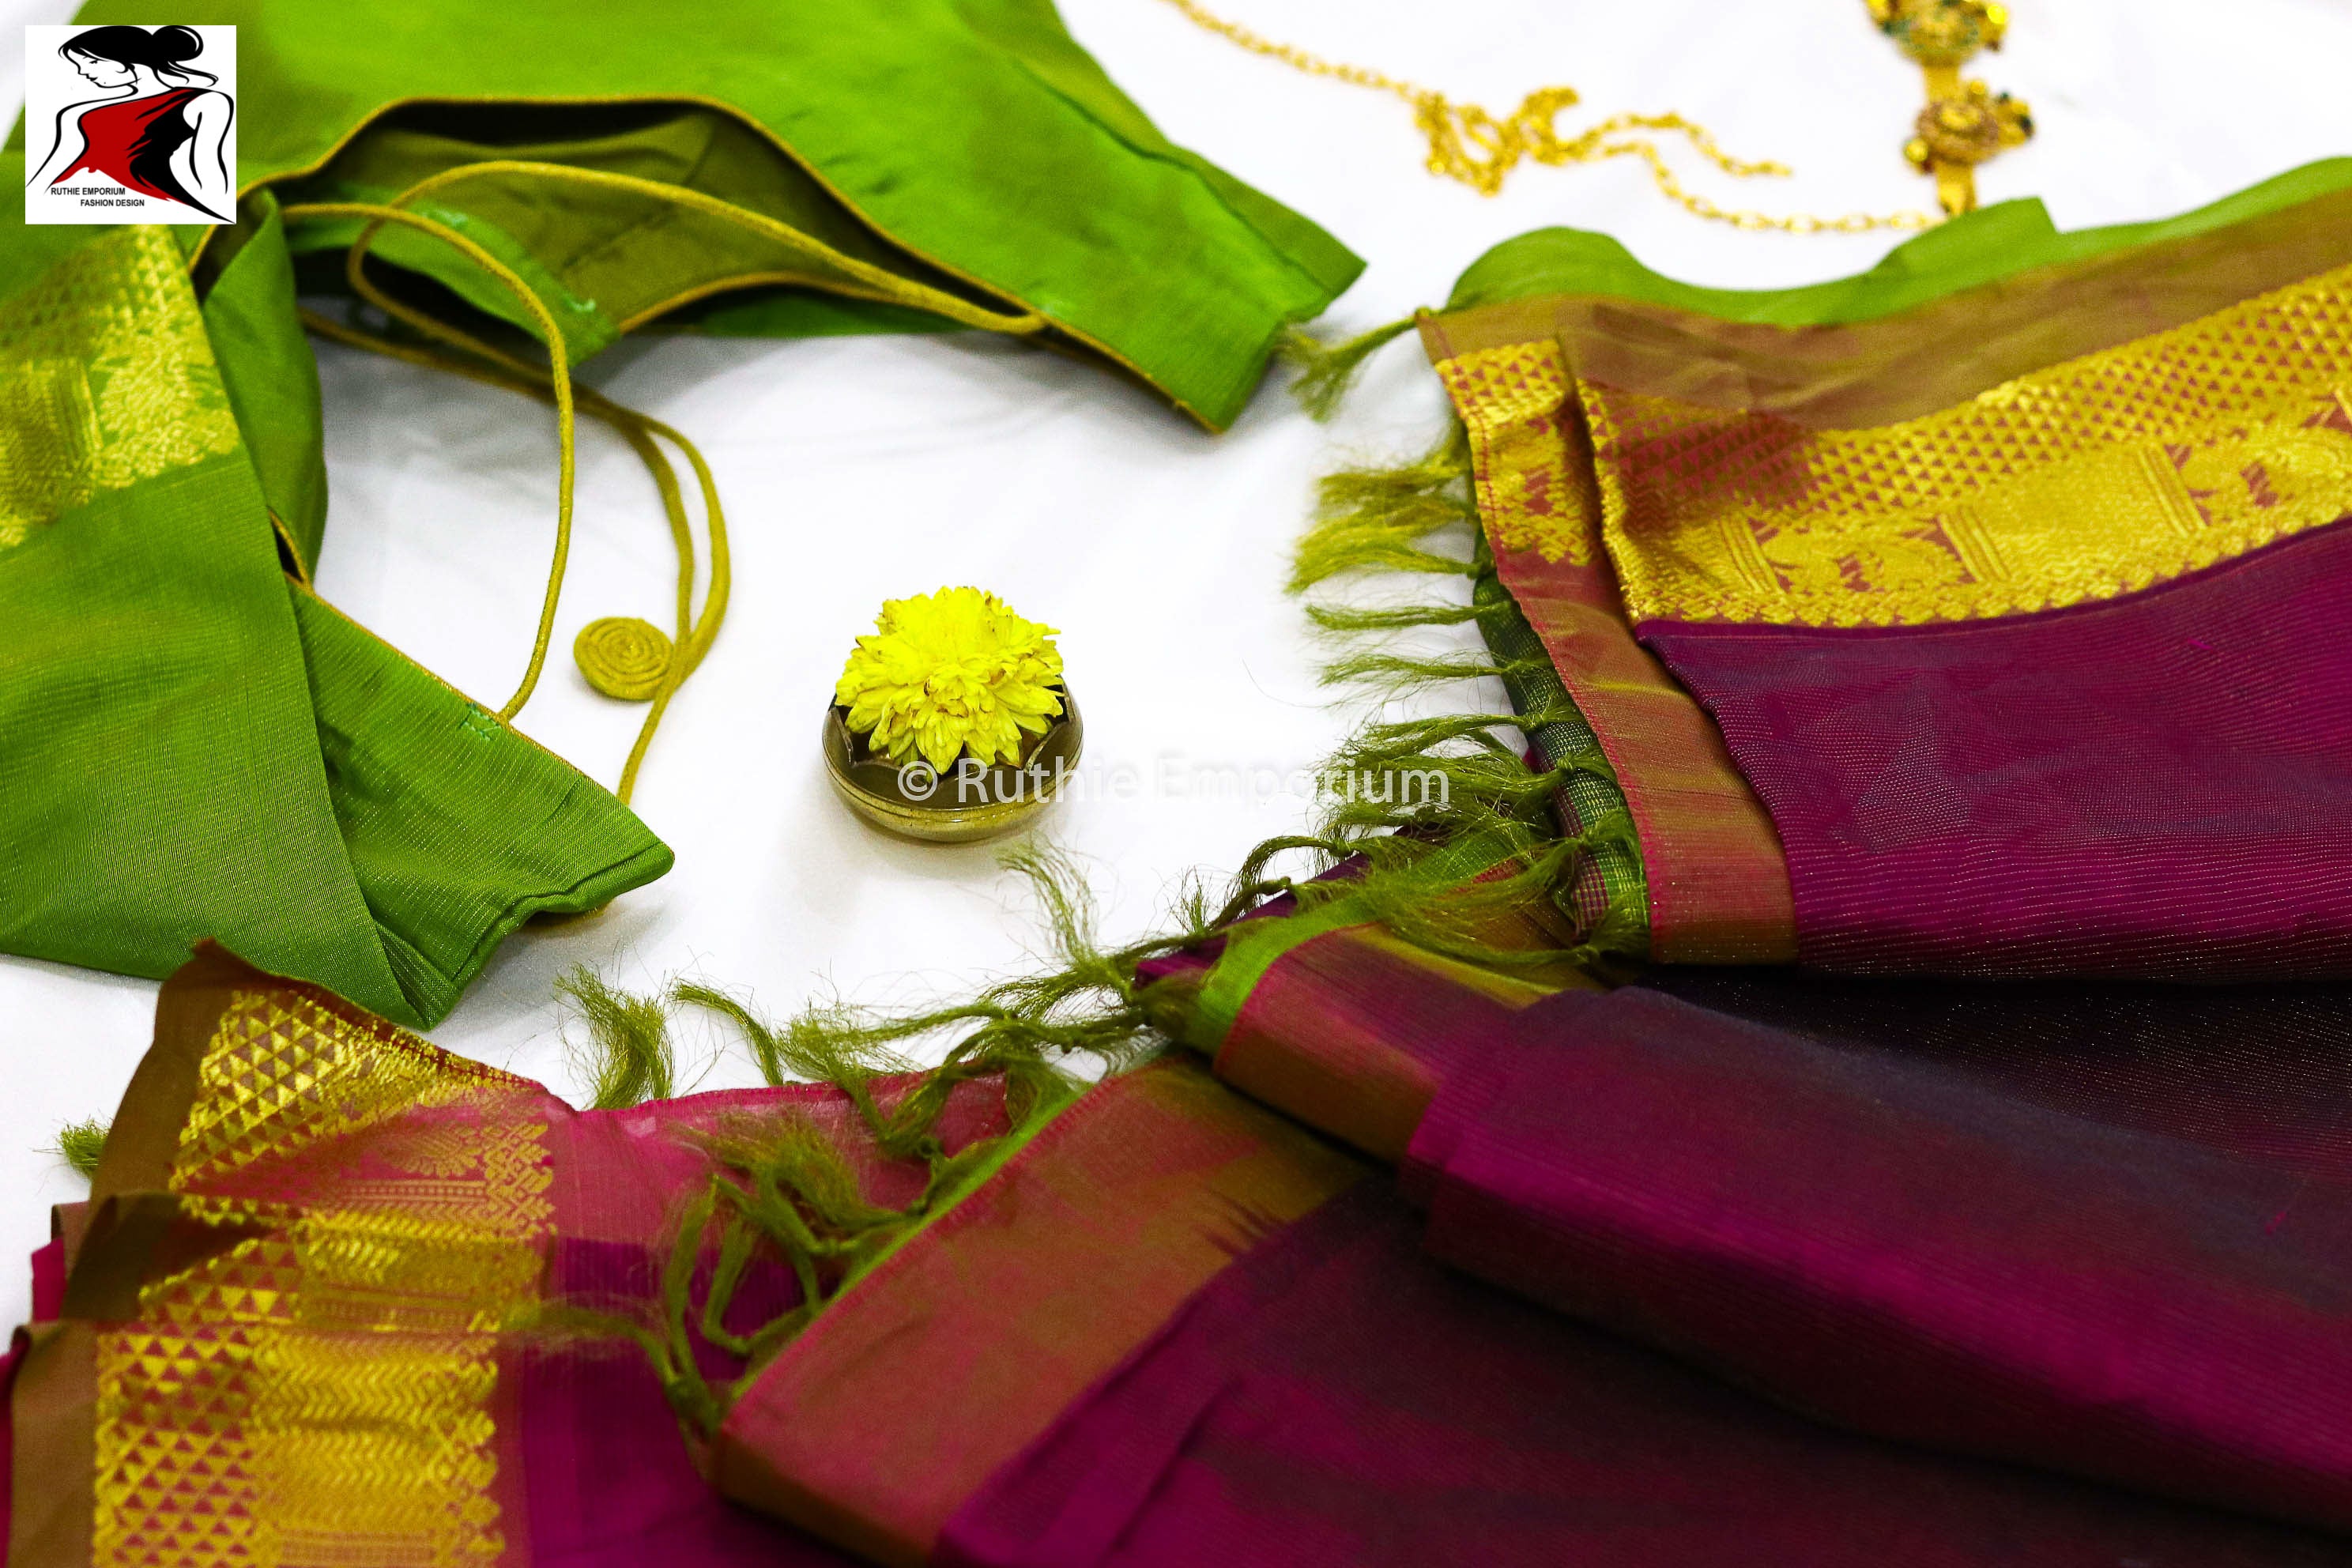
(1326, 370)
(629, 1059)
(81, 1143)
(1557, 730)
(1375, 518)
(779, 1185)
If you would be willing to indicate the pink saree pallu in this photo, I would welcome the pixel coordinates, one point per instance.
(309, 1317)
(1984, 615)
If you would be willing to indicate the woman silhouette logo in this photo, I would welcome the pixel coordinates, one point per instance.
(161, 131)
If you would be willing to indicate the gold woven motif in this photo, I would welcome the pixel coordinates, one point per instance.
(316, 1388)
(106, 378)
(1513, 400)
(2102, 475)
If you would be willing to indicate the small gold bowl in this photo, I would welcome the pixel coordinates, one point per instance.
(967, 803)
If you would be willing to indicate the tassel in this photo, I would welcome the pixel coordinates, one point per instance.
(1371, 518)
(1347, 620)
(1398, 675)
(777, 1185)
(629, 1060)
(1326, 370)
(81, 1143)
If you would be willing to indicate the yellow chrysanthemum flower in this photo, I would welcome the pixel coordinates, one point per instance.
(951, 672)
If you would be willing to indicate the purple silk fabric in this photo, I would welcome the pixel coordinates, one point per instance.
(610, 1483)
(608, 1479)
(2102, 1229)
(1338, 1397)
(2159, 785)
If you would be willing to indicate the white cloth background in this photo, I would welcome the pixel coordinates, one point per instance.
(855, 469)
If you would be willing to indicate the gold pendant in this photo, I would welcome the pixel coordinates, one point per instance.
(1965, 122)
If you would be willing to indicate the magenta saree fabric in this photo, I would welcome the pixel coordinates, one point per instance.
(2098, 1229)
(611, 1484)
(2151, 786)
(304, 1308)
(1173, 1326)
(2102, 1228)
(1338, 1397)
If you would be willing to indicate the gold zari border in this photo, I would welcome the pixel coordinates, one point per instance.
(1718, 884)
(1510, 399)
(2103, 476)
(106, 378)
(311, 1379)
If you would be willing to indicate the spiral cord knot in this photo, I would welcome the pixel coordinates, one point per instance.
(624, 657)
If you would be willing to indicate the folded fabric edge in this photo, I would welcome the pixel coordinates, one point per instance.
(560, 843)
(1714, 883)
(1583, 1158)
(1946, 344)
(1002, 1312)
(1202, 387)
(1975, 248)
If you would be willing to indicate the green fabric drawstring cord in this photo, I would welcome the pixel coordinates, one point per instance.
(615, 653)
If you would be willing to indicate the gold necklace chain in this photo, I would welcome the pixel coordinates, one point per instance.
(1469, 144)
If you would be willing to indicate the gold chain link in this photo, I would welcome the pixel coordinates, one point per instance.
(1469, 144)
